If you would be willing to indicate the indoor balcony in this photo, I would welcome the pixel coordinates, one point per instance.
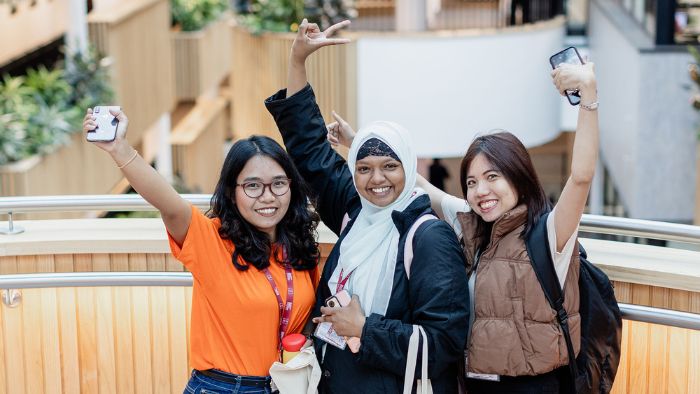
(99, 305)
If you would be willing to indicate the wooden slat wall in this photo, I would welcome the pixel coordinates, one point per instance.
(34, 24)
(78, 168)
(89, 340)
(136, 36)
(200, 59)
(658, 359)
(198, 145)
(259, 69)
(135, 339)
(103, 262)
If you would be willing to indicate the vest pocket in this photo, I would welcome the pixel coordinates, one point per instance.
(519, 321)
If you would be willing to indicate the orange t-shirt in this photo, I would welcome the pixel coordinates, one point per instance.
(235, 314)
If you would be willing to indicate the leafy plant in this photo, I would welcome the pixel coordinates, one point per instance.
(41, 110)
(88, 74)
(284, 15)
(273, 15)
(13, 145)
(193, 15)
(329, 12)
(50, 86)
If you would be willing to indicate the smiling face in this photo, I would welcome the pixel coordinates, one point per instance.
(379, 179)
(267, 210)
(489, 193)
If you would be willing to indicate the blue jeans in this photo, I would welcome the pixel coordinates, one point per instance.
(199, 383)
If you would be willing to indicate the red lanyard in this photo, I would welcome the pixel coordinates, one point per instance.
(342, 281)
(284, 311)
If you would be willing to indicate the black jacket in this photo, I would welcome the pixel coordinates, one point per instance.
(436, 297)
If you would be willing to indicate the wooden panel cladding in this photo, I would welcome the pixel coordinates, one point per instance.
(259, 69)
(198, 145)
(98, 262)
(26, 25)
(658, 359)
(655, 358)
(201, 59)
(90, 340)
(659, 297)
(134, 339)
(136, 37)
(78, 168)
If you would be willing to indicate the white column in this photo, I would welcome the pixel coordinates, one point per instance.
(164, 154)
(411, 15)
(76, 35)
(595, 198)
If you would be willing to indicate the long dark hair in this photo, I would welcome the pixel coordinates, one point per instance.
(295, 233)
(509, 156)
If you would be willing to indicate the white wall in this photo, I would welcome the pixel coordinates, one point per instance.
(648, 128)
(445, 89)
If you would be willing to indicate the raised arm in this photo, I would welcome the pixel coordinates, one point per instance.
(308, 40)
(174, 210)
(303, 129)
(436, 195)
(572, 201)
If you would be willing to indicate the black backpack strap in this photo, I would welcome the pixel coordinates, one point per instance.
(537, 244)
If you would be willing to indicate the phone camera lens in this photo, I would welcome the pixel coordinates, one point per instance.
(331, 304)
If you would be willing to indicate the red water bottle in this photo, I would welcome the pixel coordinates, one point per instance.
(291, 345)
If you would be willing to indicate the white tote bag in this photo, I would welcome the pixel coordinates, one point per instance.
(423, 385)
(300, 375)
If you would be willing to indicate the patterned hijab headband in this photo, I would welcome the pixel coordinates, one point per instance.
(375, 147)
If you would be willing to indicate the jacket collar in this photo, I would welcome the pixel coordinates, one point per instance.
(404, 219)
(508, 222)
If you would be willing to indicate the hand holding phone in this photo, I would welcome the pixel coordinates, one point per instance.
(569, 55)
(106, 130)
(325, 331)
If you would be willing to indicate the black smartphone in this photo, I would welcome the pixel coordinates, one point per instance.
(571, 56)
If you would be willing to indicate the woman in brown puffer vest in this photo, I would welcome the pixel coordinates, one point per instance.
(515, 343)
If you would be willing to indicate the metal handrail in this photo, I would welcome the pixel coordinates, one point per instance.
(134, 202)
(640, 228)
(98, 202)
(639, 313)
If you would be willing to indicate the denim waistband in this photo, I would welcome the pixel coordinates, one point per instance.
(250, 381)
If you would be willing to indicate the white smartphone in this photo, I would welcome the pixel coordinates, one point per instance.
(107, 124)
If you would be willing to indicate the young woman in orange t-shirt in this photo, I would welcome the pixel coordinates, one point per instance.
(259, 217)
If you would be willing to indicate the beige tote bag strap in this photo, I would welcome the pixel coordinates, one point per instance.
(411, 361)
(424, 381)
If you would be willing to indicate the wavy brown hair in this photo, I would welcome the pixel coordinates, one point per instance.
(296, 232)
(510, 157)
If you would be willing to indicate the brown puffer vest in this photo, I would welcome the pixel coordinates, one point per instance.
(515, 331)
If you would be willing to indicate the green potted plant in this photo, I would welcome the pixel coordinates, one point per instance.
(200, 37)
(261, 42)
(41, 112)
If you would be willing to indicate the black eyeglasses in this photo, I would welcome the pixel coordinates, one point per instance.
(255, 189)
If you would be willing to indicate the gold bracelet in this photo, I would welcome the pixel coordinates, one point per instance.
(136, 153)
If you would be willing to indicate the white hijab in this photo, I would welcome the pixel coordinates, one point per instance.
(370, 248)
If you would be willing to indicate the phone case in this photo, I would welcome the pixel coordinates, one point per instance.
(107, 124)
(569, 55)
(340, 299)
(325, 331)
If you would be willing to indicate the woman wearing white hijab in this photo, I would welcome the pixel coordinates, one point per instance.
(376, 191)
